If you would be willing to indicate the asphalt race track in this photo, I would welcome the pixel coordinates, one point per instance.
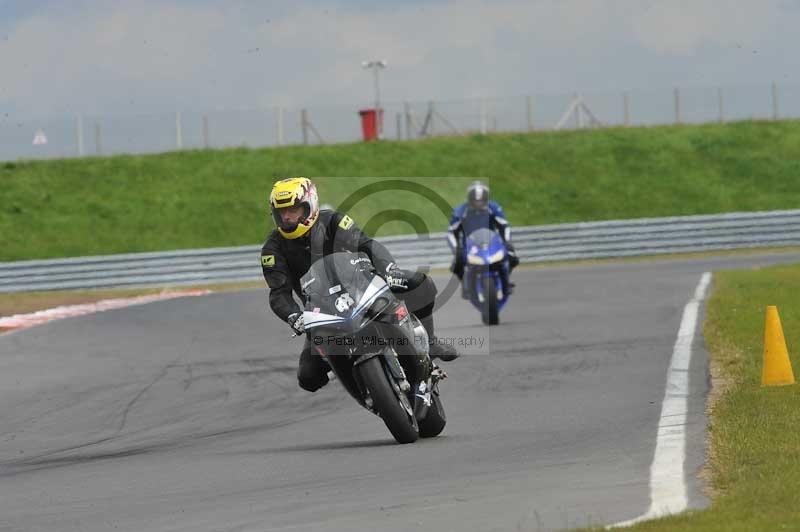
(185, 415)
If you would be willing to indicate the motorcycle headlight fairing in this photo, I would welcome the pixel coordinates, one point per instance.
(497, 257)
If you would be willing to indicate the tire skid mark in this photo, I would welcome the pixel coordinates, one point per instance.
(138, 396)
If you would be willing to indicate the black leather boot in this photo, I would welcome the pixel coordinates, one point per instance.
(441, 350)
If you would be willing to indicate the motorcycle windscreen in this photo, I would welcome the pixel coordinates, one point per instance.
(484, 239)
(475, 220)
(342, 284)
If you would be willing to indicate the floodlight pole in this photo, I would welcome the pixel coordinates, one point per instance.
(377, 88)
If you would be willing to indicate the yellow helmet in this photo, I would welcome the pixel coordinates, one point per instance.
(289, 193)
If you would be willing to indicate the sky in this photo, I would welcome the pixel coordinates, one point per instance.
(146, 56)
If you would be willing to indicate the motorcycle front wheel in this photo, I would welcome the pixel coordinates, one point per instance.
(490, 311)
(386, 403)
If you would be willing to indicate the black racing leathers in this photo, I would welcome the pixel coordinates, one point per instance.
(285, 261)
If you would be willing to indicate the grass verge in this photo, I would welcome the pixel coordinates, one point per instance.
(25, 302)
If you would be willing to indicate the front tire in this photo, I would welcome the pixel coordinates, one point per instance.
(386, 403)
(489, 310)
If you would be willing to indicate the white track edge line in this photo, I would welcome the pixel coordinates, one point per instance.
(668, 491)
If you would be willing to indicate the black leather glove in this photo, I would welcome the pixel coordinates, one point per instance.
(297, 323)
(513, 259)
(396, 278)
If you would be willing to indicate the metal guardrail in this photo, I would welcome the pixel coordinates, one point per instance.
(620, 238)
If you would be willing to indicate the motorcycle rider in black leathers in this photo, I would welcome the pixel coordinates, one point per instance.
(303, 235)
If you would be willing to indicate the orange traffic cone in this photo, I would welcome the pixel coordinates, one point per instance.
(777, 369)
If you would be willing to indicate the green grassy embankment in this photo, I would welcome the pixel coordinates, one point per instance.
(218, 198)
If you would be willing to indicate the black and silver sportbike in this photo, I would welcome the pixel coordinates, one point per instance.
(374, 345)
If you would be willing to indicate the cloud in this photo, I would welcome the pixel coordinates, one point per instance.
(145, 56)
(682, 26)
(425, 45)
(77, 59)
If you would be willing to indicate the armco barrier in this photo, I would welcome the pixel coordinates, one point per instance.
(618, 238)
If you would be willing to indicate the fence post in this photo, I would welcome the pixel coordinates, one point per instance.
(304, 125)
(79, 131)
(774, 101)
(280, 126)
(626, 113)
(97, 142)
(178, 131)
(721, 106)
(399, 126)
(206, 142)
(483, 120)
(529, 112)
(677, 94)
(407, 111)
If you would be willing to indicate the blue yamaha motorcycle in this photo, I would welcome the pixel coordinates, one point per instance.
(486, 273)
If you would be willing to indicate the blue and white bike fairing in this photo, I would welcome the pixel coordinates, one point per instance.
(486, 273)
